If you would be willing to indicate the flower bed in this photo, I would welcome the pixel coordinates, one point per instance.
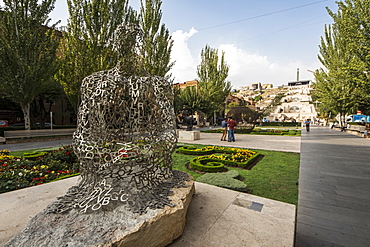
(192, 150)
(235, 157)
(17, 173)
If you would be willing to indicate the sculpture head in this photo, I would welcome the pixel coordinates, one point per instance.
(126, 38)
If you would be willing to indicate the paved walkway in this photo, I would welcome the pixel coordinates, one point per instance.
(334, 190)
(35, 145)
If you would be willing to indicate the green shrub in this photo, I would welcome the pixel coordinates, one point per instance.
(268, 133)
(281, 124)
(237, 159)
(194, 151)
(226, 180)
(33, 155)
(207, 165)
(213, 149)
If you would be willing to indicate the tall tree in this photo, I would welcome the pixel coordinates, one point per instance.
(337, 86)
(88, 41)
(213, 86)
(188, 97)
(27, 51)
(157, 42)
(342, 85)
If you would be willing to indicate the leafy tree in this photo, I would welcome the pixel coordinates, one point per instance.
(41, 105)
(275, 102)
(213, 86)
(87, 43)
(157, 42)
(189, 97)
(341, 86)
(243, 114)
(353, 19)
(27, 51)
(258, 98)
(230, 106)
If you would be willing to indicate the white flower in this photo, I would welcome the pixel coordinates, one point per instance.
(20, 174)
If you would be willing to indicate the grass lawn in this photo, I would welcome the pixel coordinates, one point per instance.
(22, 152)
(275, 176)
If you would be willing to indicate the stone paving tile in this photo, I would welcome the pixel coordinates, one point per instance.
(326, 224)
(353, 220)
(307, 241)
(334, 189)
(324, 237)
(365, 200)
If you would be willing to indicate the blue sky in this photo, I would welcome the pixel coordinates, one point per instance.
(263, 40)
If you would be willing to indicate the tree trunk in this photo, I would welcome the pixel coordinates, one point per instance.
(26, 115)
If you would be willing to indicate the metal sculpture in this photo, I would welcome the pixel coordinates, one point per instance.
(124, 139)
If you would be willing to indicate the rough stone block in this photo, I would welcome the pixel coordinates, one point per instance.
(119, 227)
(188, 135)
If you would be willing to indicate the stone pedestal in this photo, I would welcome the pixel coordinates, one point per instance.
(188, 135)
(118, 227)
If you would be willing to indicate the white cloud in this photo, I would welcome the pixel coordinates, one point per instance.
(185, 64)
(245, 67)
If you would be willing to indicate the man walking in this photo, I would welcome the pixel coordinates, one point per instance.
(307, 123)
(231, 125)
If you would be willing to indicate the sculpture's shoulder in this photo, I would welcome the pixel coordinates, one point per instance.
(155, 81)
(101, 77)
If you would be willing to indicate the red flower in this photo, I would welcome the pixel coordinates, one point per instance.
(35, 179)
(38, 183)
(68, 153)
(5, 164)
(48, 171)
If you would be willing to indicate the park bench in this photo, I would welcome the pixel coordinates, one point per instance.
(359, 130)
(14, 136)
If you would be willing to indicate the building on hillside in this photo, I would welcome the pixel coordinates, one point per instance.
(186, 84)
(296, 104)
(234, 99)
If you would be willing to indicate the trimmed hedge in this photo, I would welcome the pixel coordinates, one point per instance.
(33, 155)
(207, 165)
(234, 157)
(201, 163)
(280, 124)
(192, 150)
(226, 180)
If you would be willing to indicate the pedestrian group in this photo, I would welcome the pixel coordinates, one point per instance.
(228, 126)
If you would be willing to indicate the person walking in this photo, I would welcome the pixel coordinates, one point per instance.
(307, 123)
(231, 125)
(224, 129)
